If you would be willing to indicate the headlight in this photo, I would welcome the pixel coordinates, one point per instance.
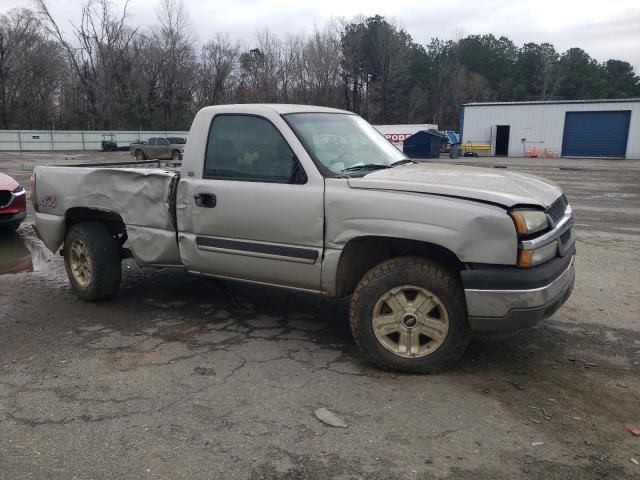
(531, 258)
(529, 221)
(18, 190)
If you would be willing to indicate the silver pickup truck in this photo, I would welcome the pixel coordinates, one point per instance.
(315, 199)
(162, 148)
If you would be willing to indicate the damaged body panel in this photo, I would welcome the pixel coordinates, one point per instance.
(139, 197)
(475, 183)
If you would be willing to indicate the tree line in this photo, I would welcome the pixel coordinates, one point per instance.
(108, 73)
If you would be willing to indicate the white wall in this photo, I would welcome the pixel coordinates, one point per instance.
(541, 124)
(67, 140)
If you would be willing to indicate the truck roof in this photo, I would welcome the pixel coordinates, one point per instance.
(280, 108)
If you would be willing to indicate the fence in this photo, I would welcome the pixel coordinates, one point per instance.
(68, 140)
(74, 140)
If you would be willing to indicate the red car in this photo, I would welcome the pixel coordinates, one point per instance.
(13, 203)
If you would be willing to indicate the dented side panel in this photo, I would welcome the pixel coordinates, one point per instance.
(139, 196)
(473, 231)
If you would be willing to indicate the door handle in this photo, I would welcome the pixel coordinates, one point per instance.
(206, 200)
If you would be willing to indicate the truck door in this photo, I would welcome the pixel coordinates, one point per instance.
(162, 149)
(151, 149)
(254, 214)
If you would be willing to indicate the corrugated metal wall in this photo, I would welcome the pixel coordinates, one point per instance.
(67, 140)
(541, 125)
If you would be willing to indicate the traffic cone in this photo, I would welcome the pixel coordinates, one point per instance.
(534, 152)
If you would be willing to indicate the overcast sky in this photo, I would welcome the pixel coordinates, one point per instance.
(604, 29)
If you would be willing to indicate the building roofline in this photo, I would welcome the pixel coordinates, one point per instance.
(552, 102)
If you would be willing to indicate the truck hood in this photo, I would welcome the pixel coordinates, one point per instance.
(475, 183)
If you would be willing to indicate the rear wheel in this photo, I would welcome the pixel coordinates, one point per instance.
(139, 155)
(175, 155)
(409, 314)
(92, 260)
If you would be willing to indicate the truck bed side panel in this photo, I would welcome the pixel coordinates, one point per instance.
(139, 196)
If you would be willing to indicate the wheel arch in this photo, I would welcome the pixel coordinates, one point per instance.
(113, 221)
(361, 254)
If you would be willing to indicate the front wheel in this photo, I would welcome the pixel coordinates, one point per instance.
(409, 314)
(92, 260)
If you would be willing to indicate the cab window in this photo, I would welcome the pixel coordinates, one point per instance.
(249, 148)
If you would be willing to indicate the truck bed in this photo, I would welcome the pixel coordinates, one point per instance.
(140, 196)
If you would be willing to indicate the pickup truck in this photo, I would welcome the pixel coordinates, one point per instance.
(162, 148)
(428, 253)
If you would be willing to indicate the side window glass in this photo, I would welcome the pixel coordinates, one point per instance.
(163, 141)
(242, 147)
(152, 141)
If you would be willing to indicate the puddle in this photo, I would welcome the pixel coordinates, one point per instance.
(21, 254)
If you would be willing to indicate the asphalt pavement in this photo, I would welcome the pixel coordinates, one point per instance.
(182, 377)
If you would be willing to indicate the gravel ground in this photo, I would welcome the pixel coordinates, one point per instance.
(184, 377)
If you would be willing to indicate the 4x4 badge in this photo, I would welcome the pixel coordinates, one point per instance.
(49, 201)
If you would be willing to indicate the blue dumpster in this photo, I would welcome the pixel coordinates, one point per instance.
(423, 144)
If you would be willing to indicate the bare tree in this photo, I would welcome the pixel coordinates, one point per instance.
(321, 55)
(29, 71)
(175, 39)
(102, 45)
(218, 63)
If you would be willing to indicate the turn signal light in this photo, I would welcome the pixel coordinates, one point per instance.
(525, 258)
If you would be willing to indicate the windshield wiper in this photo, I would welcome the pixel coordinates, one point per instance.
(366, 166)
(402, 162)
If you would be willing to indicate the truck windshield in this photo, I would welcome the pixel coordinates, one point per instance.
(343, 143)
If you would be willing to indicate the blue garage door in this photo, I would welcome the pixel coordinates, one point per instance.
(596, 134)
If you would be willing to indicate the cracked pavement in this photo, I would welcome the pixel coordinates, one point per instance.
(186, 377)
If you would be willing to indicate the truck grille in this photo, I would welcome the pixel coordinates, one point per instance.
(557, 208)
(5, 197)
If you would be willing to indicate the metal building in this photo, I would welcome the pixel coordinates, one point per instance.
(570, 128)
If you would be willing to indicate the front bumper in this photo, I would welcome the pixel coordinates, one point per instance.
(517, 302)
(10, 219)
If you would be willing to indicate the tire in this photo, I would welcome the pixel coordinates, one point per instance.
(175, 155)
(139, 155)
(95, 273)
(400, 278)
